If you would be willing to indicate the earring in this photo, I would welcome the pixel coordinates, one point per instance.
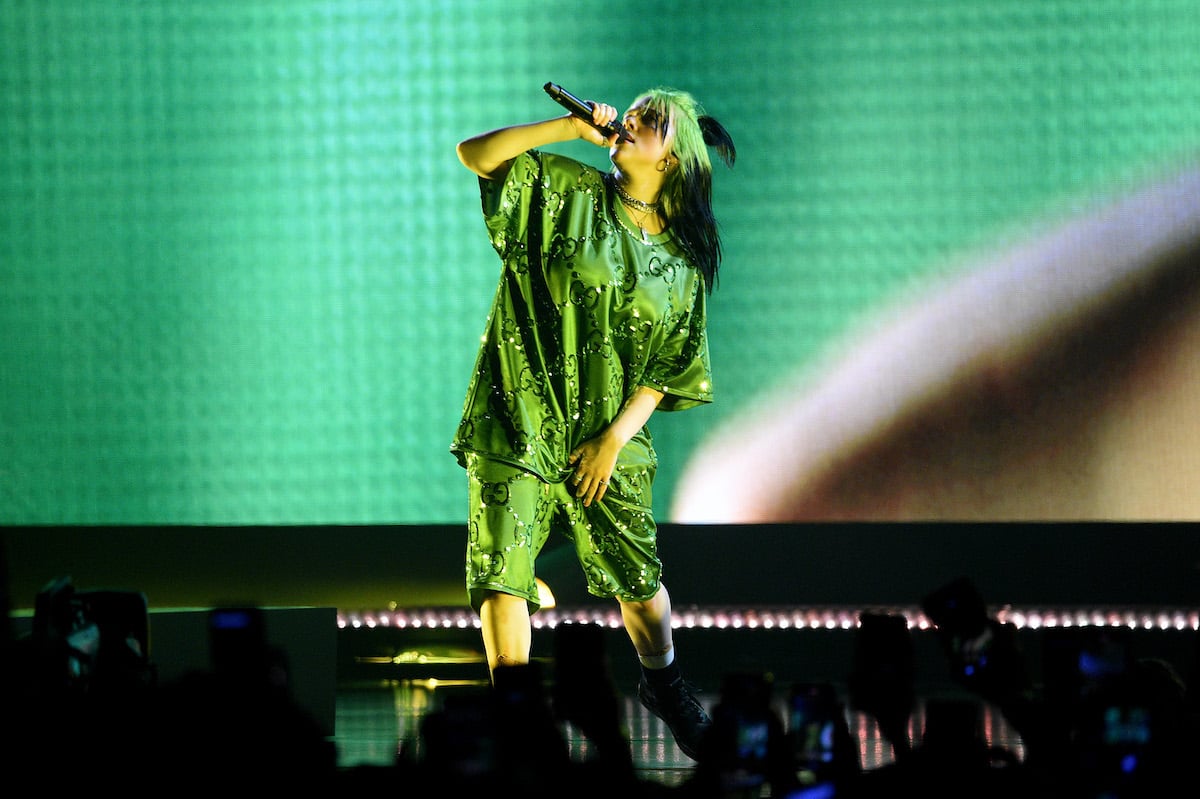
(666, 164)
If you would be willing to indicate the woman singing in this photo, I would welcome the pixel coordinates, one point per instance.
(599, 319)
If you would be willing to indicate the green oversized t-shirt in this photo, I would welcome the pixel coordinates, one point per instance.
(585, 312)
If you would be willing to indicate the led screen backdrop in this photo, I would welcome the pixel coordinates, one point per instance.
(243, 275)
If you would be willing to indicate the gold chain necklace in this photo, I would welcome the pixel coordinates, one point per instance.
(634, 204)
(632, 201)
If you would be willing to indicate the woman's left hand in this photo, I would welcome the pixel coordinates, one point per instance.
(594, 461)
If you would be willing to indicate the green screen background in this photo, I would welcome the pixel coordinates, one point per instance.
(243, 275)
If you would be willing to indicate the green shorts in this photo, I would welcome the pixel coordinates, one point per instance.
(513, 511)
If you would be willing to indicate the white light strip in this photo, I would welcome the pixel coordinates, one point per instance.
(780, 618)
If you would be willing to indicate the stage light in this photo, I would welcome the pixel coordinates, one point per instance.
(545, 595)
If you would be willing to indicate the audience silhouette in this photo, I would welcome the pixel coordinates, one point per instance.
(84, 709)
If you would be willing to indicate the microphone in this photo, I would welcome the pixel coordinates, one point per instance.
(583, 110)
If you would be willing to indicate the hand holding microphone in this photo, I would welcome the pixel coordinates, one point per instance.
(583, 110)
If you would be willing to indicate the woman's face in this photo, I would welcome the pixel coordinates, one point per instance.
(650, 144)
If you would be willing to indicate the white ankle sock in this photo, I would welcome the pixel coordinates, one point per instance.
(658, 661)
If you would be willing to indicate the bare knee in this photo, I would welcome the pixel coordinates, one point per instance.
(498, 602)
(491, 596)
(657, 606)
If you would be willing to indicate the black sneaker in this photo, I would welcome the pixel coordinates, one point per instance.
(675, 704)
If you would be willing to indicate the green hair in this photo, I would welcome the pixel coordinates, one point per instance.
(687, 192)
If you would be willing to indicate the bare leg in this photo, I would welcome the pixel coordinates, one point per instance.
(662, 689)
(648, 624)
(507, 632)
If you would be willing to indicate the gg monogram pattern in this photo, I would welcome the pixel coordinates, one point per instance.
(584, 312)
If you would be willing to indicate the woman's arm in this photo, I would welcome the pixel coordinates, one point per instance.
(490, 154)
(634, 414)
(595, 459)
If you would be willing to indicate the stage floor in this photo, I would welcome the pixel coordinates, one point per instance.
(380, 722)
